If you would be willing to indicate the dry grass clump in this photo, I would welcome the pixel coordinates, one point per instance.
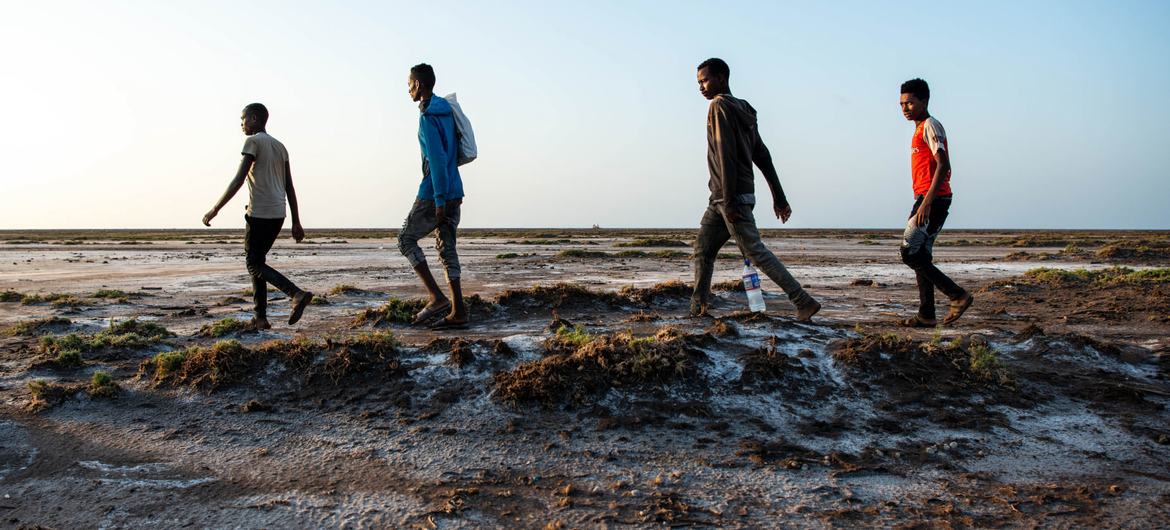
(222, 327)
(555, 295)
(902, 361)
(1031, 256)
(670, 289)
(115, 295)
(10, 296)
(394, 311)
(1105, 277)
(1135, 250)
(345, 288)
(598, 364)
(653, 242)
(228, 362)
(728, 285)
(540, 242)
(399, 311)
(583, 254)
(57, 299)
(664, 254)
(47, 394)
(32, 328)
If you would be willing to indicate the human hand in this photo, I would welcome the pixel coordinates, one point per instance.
(922, 215)
(298, 232)
(783, 212)
(207, 217)
(441, 215)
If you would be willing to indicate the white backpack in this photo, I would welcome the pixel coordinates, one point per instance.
(463, 132)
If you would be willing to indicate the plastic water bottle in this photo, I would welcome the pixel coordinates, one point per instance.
(751, 284)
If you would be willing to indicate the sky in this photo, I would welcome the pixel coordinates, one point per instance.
(125, 114)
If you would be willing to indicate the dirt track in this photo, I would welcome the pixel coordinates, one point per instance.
(1045, 406)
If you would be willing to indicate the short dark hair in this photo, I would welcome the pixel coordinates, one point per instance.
(918, 88)
(258, 110)
(717, 67)
(425, 75)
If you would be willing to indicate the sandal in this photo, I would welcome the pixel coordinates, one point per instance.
(959, 307)
(917, 322)
(447, 323)
(428, 313)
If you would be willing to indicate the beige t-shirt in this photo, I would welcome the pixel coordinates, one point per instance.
(266, 178)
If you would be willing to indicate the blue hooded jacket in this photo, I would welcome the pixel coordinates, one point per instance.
(440, 157)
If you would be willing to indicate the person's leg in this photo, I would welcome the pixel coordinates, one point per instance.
(712, 236)
(918, 245)
(751, 244)
(445, 238)
(420, 222)
(917, 253)
(925, 298)
(255, 247)
(265, 232)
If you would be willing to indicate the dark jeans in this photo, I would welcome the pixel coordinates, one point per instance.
(917, 248)
(714, 231)
(259, 235)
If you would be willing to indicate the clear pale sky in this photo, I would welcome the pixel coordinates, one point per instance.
(126, 114)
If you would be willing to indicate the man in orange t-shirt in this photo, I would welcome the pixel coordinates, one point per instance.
(930, 170)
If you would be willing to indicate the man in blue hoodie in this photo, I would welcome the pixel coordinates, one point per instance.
(437, 206)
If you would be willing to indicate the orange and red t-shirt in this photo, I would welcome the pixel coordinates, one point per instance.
(929, 138)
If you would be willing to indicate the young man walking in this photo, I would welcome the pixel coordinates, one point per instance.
(930, 171)
(733, 145)
(436, 207)
(266, 169)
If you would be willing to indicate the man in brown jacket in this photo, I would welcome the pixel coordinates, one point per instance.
(733, 145)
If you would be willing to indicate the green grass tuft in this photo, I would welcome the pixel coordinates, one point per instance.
(131, 333)
(226, 326)
(102, 385)
(70, 358)
(575, 336)
(113, 294)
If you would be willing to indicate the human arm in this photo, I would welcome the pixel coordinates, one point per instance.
(233, 187)
(436, 162)
(298, 232)
(762, 158)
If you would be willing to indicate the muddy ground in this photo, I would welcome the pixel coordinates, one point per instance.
(592, 400)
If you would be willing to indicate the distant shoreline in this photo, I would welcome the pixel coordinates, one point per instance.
(31, 236)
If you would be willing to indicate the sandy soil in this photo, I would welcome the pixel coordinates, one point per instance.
(1044, 406)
